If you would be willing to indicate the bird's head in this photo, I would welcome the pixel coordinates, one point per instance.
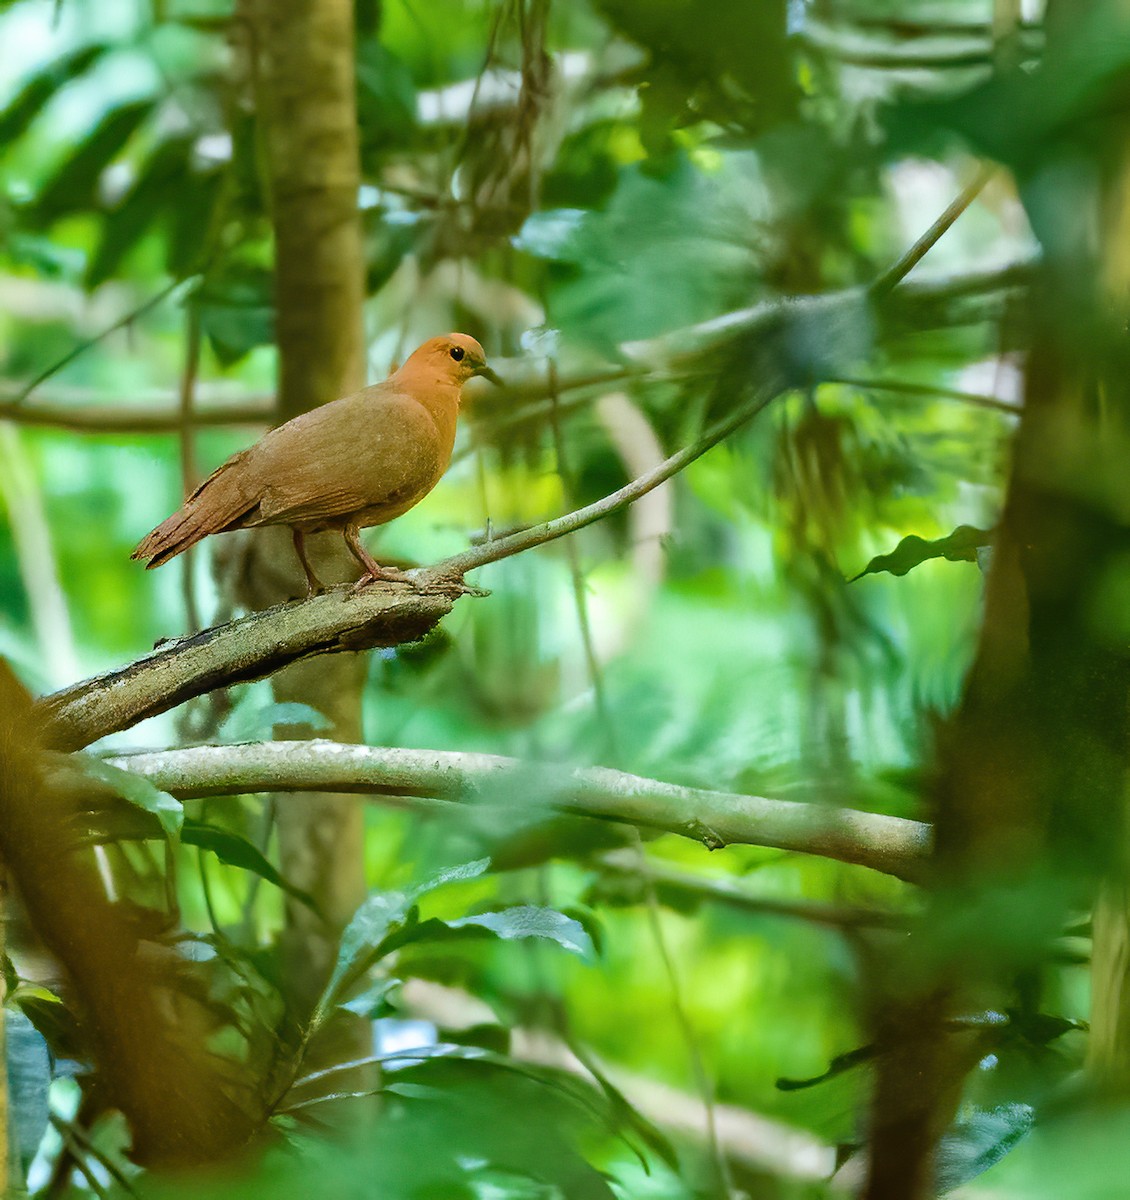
(454, 356)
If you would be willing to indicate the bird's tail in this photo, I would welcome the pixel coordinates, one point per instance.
(218, 504)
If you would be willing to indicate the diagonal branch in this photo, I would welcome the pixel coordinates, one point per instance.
(893, 845)
(249, 648)
(390, 614)
(548, 531)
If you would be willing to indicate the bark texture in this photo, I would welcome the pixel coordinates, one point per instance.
(303, 67)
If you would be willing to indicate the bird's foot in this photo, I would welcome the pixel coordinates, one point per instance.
(448, 583)
(383, 575)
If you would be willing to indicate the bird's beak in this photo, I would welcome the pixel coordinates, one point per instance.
(487, 373)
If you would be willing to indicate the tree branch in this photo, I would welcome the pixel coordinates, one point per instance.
(249, 648)
(390, 614)
(477, 556)
(133, 418)
(893, 845)
(929, 303)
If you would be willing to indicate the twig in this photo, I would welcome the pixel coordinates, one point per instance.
(893, 845)
(899, 270)
(477, 556)
(82, 347)
(132, 418)
(390, 614)
(188, 468)
(580, 600)
(911, 388)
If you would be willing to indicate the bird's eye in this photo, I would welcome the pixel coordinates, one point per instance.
(457, 353)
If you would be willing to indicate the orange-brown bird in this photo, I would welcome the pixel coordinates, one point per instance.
(354, 462)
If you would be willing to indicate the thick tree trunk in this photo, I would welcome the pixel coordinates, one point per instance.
(1031, 789)
(303, 66)
(148, 1034)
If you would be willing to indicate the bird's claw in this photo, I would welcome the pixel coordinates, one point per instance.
(420, 580)
(386, 575)
(447, 584)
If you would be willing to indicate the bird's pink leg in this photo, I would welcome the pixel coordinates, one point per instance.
(373, 569)
(313, 584)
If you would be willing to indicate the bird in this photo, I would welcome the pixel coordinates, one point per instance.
(355, 462)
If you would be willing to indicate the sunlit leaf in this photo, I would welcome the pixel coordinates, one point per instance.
(531, 921)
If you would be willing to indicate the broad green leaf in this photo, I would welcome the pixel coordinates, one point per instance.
(138, 791)
(74, 185)
(159, 183)
(237, 851)
(959, 546)
(974, 1145)
(34, 96)
(189, 222)
(361, 943)
(532, 921)
(237, 313)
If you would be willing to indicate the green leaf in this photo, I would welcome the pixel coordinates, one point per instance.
(360, 941)
(457, 874)
(34, 96)
(139, 792)
(159, 181)
(386, 98)
(189, 222)
(838, 1065)
(532, 921)
(237, 313)
(53, 1019)
(373, 1001)
(74, 185)
(363, 941)
(960, 546)
(980, 1142)
(237, 851)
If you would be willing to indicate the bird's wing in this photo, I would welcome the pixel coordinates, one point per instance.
(378, 447)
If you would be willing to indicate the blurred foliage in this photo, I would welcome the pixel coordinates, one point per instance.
(561, 181)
